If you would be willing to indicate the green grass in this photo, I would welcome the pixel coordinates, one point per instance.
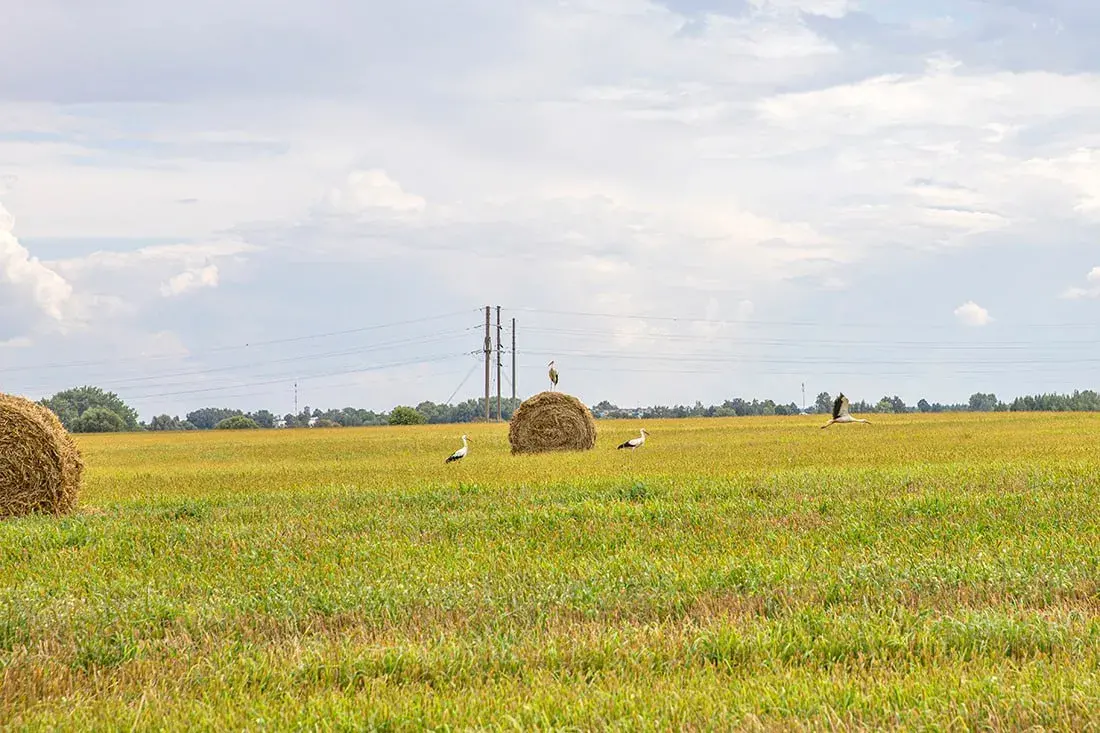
(919, 572)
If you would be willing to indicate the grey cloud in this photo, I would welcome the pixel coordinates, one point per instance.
(1027, 35)
(124, 51)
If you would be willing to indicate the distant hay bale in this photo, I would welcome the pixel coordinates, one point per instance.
(552, 421)
(40, 467)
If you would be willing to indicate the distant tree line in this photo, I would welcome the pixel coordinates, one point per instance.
(90, 409)
(1079, 401)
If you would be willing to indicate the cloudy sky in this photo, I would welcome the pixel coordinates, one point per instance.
(676, 199)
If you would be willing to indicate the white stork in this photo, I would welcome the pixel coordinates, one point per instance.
(634, 442)
(459, 454)
(840, 413)
(553, 376)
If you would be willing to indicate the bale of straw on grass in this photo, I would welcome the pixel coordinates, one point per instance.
(40, 466)
(552, 421)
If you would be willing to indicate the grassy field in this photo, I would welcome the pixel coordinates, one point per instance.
(757, 572)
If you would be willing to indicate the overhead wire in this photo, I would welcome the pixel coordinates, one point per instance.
(463, 382)
(757, 322)
(239, 347)
(824, 360)
(284, 379)
(970, 358)
(804, 342)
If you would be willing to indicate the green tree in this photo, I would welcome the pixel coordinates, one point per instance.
(73, 403)
(263, 418)
(980, 402)
(98, 420)
(824, 404)
(208, 417)
(402, 415)
(885, 405)
(168, 422)
(237, 422)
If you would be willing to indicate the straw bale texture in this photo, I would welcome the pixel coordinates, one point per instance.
(40, 466)
(552, 421)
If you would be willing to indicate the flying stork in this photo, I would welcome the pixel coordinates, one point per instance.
(553, 376)
(840, 413)
(634, 442)
(460, 453)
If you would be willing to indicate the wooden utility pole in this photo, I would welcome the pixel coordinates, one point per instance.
(513, 363)
(500, 358)
(488, 351)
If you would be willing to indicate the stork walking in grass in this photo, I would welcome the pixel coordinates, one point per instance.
(553, 376)
(459, 454)
(634, 442)
(840, 413)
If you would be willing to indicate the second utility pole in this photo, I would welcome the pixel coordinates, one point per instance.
(499, 357)
(488, 351)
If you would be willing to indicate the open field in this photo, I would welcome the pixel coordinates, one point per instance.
(924, 570)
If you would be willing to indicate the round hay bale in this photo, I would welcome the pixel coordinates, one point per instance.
(552, 421)
(40, 467)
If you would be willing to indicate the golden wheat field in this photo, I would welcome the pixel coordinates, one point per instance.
(937, 571)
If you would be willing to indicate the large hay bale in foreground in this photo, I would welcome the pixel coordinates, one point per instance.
(40, 467)
(552, 421)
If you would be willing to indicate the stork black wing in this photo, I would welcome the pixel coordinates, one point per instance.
(836, 405)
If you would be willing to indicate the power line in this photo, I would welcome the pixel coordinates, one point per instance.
(224, 349)
(474, 366)
(792, 342)
(266, 392)
(772, 372)
(164, 379)
(284, 379)
(801, 324)
(739, 358)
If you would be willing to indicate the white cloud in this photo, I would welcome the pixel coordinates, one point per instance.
(944, 95)
(189, 280)
(365, 190)
(1078, 171)
(117, 279)
(827, 8)
(191, 255)
(972, 314)
(1092, 291)
(50, 292)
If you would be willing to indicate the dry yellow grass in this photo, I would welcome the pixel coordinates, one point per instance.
(923, 571)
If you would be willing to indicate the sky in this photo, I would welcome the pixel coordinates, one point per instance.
(204, 203)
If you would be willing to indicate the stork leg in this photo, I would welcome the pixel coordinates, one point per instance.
(827, 424)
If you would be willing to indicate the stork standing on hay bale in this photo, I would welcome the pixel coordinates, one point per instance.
(459, 454)
(840, 413)
(634, 442)
(553, 376)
